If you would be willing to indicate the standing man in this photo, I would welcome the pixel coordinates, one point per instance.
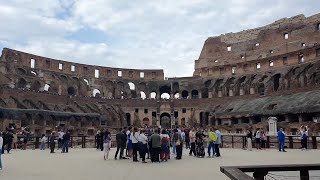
(98, 139)
(9, 141)
(212, 140)
(60, 138)
(66, 141)
(121, 139)
(192, 135)
(258, 138)
(217, 143)
(187, 138)
(281, 138)
(155, 140)
(52, 142)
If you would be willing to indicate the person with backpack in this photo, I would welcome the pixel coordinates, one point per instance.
(165, 145)
(212, 140)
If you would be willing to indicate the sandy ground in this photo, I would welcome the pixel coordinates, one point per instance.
(84, 164)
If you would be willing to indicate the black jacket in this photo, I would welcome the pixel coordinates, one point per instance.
(121, 139)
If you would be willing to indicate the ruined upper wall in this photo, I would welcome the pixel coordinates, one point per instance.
(23, 59)
(261, 45)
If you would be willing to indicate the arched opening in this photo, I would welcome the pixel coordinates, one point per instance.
(153, 95)
(143, 95)
(165, 120)
(35, 86)
(245, 120)
(261, 90)
(256, 119)
(165, 90)
(234, 120)
(165, 96)
(176, 95)
(281, 118)
(242, 79)
(205, 93)
(63, 78)
(184, 94)
(175, 87)
(194, 94)
(21, 83)
(26, 120)
(128, 118)
(308, 117)
(96, 93)
(207, 83)
(293, 118)
(33, 73)
(204, 119)
(50, 121)
(46, 87)
(276, 81)
(21, 71)
(86, 82)
(71, 91)
(183, 121)
(132, 86)
(146, 121)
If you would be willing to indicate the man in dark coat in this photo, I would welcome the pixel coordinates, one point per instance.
(52, 142)
(121, 139)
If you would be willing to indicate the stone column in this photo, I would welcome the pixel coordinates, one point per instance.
(252, 90)
(210, 94)
(241, 92)
(219, 93)
(230, 92)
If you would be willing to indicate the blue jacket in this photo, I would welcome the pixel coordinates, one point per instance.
(281, 136)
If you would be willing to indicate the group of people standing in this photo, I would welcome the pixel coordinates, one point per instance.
(103, 142)
(157, 143)
(63, 141)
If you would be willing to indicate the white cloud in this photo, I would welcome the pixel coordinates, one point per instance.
(135, 34)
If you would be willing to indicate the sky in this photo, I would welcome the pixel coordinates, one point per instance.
(142, 34)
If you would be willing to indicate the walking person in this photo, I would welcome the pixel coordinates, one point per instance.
(217, 143)
(135, 140)
(179, 143)
(66, 141)
(121, 139)
(43, 142)
(258, 140)
(1, 146)
(249, 139)
(106, 144)
(281, 139)
(143, 146)
(304, 137)
(192, 135)
(165, 145)
(212, 140)
(52, 142)
(263, 138)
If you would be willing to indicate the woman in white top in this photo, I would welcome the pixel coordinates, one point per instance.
(43, 142)
(1, 143)
(143, 145)
(135, 140)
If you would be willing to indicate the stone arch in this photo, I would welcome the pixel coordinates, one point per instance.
(142, 86)
(146, 121)
(176, 95)
(22, 83)
(165, 89)
(207, 83)
(143, 95)
(194, 94)
(71, 91)
(165, 120)
(204, 93)
(96, 93)
(153, 95)
(165, 96)
(175, 87)
(26, 120)
(132, 86)
(39, 120)
(21, 71)
(276, 81)
(184, 94)
(261, 89)
(63, 78)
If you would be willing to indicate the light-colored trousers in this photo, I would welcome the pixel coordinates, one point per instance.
(249, 144)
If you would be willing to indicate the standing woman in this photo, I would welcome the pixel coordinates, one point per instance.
(135, 140)
(1, 143)
(263, 138)
(129, 145)
(106, 144)
(165, 145)
(178, 141)
(249, 139)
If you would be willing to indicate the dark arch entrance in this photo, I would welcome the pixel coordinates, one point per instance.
(184, 94)
(165, 120)
(21, 83)
(128, 118)
(194, 94)
(276, 82)
(71, 91)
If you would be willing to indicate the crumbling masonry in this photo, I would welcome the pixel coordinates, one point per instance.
(240, 79)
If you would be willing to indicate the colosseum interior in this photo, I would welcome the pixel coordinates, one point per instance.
(240, 79)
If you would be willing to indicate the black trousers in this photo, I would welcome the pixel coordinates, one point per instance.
(155, 154)
(263, 144)
(135, 151)
(304, 143)
(179, 151)
(59, 143)
(52, 146)
(216, 149)
(187, 144)
(121, 149)
(193, 149)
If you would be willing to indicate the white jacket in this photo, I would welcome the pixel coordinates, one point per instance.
(1, 142)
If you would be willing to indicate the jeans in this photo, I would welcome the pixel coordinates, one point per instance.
(0, 160)
(174, 148)
(42, 146)
(65, 147)
(281, 145)
(217, 150)
(211, 146)
(52, 146)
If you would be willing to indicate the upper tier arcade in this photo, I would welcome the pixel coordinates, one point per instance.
(285, 42)
(38, 62)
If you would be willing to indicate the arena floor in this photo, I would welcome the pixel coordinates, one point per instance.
(88, 164)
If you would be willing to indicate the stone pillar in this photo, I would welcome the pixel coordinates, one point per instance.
(272, 121)
(199, 95)
(210, 94)
(241, 92)
(252, 90)
(230, 92)
(171, 96)
(219, 93)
